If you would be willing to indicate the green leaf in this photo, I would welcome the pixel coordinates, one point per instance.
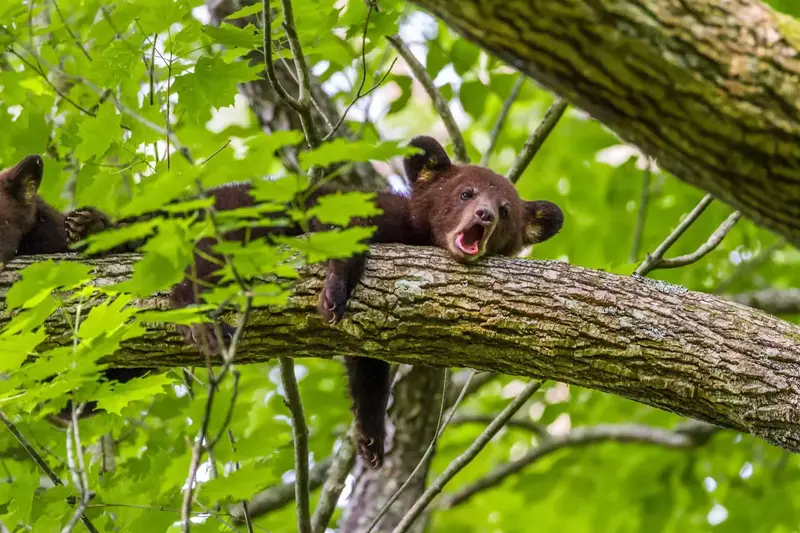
(334, 244)
(137, 389)
(99, 133)
(212, 84)
(238, 485)
(114, 63)
(15, 349)
(464, 55)
(280, 191)
(339, 208)
(436, 59)
(246, 11)
(473, 95)
(234, 37)
(344, 150)
(39, 280)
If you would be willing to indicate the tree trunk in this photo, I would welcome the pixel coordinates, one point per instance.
(692, 353)
(711, 88)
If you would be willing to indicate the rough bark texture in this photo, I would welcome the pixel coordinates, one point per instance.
(709, 87)
(692, 353)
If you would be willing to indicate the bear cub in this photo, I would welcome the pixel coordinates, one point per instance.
(29, 225)
(467, 210)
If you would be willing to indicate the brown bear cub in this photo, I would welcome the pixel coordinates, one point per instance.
(467, 210)
(30, 226)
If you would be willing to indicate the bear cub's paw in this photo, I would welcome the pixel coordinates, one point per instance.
(371, 450)
(204, 338)
(83, 222)
(333, 299)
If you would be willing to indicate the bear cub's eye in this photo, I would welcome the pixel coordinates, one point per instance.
(503, 211)
(467, 194)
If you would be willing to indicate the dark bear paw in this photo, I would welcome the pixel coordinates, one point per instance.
(333, 300)
(204, 337)
(83, 222)
(371, 450)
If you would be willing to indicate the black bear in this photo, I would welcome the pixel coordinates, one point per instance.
(467, 210)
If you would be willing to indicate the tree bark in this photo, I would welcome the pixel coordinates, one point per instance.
(692, 353)
(711, 88)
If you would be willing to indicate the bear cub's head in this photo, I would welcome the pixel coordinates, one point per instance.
(470, 210)
(18, 187)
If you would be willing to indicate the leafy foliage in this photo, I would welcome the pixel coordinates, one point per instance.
(99, 87)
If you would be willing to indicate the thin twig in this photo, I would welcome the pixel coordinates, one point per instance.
(38, 459)
(334, 483)
(359, 93)
(247, 519)
(69, 31)
(644, 203)
(527, 425)
(582, 436)
(652, 260)
(77, 468)
(537, 138)
(501, 119)
(439, 103)
(713, 241)
(300, 432)
(465, 458)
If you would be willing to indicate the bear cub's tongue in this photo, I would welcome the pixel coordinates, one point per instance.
(469, 241)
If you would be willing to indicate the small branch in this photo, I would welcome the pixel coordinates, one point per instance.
(537, 138)
(501, 119)
(77, 468)
(334, 484)
(38, 459)
(269, 63)
(474, 382)
(680, 438)
(465, 458)
(527, 425)
(652, 260)
(69, 31)
(245, 510)
(705, 248)
(644, 203)
(300, 431)
(439, 103)
(775, 301)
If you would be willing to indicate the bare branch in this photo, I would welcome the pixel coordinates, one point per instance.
(334, 484)
(300, 432)
(713, 241)
(537, 138)
(465, 458)
(501, 119)
(688, 437)
(69, 31)
(439, 103)
(473, 382)
(655, 258)
(527, 425)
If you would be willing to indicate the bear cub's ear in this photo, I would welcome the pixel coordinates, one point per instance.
(424, 166)
(22, 181)
(542, 220)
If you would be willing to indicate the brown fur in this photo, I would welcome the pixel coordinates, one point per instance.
(447, 202)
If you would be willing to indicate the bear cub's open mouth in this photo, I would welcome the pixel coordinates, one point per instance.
(469, 240)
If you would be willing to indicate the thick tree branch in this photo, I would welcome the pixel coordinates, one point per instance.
(709, 87)
(692, 353)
